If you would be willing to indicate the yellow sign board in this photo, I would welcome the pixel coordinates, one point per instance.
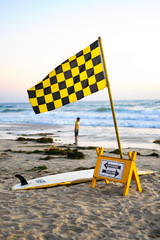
(116, 169)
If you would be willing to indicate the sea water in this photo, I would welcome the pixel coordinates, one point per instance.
(138, 120)
(134, 114)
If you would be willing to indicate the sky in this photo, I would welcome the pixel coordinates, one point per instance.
(38, 35)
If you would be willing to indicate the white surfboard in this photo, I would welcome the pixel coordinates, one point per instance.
(144, 172)
(60, 179)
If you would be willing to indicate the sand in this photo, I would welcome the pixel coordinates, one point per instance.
(75, 211)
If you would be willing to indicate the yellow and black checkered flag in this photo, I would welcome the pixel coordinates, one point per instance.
(76, 78)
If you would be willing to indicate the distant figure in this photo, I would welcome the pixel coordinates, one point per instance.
(76, 130)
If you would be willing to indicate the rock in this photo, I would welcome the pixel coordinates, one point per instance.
(156, 141)
(154, 154)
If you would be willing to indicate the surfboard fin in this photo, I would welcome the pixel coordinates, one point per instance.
(22, 179)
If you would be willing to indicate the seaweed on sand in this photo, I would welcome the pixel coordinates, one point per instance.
(39, 140)
(39, 168)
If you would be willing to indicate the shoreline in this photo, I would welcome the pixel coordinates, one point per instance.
(88, 136)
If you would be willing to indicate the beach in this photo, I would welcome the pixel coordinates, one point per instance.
(73, 211)
(96, 61)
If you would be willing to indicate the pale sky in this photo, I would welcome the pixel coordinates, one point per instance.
(38, 35)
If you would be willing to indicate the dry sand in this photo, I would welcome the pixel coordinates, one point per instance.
(75, 211)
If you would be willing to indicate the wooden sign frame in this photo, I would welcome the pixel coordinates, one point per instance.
(116, 169)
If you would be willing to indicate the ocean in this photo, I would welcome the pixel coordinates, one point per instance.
(135, 119)
(134, 114)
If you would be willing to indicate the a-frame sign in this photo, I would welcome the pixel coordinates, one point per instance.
(116, 169)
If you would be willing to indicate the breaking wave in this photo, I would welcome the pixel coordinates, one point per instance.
(132, 113)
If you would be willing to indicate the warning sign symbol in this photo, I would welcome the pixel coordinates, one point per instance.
(111, 169)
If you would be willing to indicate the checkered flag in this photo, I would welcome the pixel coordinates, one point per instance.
(76, 78)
